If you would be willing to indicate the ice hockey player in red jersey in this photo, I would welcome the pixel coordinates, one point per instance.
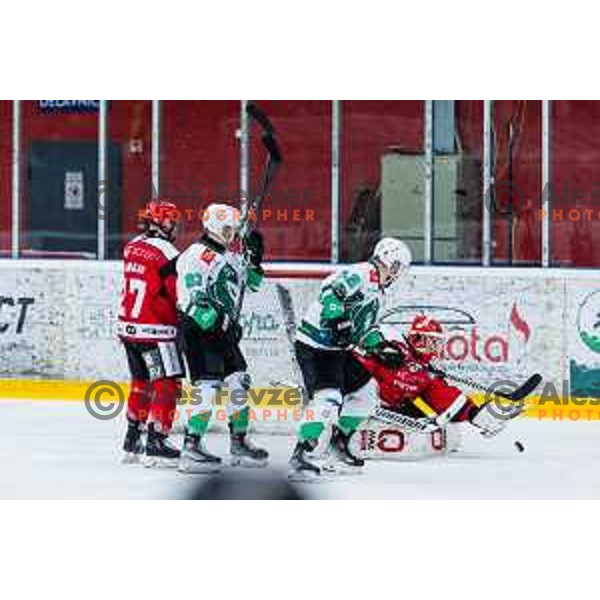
(147, 328)
(402, 373)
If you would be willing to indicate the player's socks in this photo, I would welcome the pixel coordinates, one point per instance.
(133, 446)
(139, 400)
(159, 451)
(243, 452)
(194, 456)
(167, 392)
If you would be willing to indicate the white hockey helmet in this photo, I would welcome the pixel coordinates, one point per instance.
(221, 222)
(394, 256)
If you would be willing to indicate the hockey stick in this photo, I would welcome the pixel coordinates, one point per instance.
(421, 425)
(274, 159)
(515, 396)
(289, 322)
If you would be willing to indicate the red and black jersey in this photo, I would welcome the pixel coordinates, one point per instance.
(147, 310)
(404, 384)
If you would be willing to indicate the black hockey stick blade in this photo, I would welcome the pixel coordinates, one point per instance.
(268, 137)
(526, 388)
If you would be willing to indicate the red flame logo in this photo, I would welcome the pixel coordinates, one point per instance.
(519, 323)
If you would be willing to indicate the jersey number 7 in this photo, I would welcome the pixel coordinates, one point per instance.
(136, 288)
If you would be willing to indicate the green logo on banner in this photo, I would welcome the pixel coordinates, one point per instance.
(588, 321)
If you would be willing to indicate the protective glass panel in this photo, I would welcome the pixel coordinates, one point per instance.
(5, 175)
(129, 171)
(296, 214)
(59, 178)
(382, 175)
(517, 171)
(457, 132)
(574, 209)
(200, 159)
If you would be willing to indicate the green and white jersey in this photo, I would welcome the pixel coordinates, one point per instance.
(209, 282)
(353, 294)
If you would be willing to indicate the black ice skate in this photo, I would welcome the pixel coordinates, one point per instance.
(303, 469)
(195, 458)
(133, 446)
(340, 458)
(159, 451)
(244, 453)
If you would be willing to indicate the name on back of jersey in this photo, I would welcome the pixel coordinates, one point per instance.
(133, 267)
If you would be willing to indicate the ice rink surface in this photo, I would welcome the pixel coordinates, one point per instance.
(57, 450)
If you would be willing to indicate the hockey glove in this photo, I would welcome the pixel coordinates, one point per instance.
(254, 277)
(389, 356)
(341, 332)
(372, 341)
(255, 247)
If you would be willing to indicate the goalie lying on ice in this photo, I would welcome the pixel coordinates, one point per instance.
(408, 386)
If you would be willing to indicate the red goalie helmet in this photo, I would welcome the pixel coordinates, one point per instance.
(159, 217)
(426, 336)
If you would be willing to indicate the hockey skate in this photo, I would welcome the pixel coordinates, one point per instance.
(195, 458)
(159, 451)
(339, 459)
(303, 469)
(133, 446)
(244, 453)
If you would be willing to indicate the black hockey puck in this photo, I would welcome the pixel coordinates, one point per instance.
(519, 446)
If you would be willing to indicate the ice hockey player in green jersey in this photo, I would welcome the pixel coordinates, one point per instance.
(210, 276)
(343, 318)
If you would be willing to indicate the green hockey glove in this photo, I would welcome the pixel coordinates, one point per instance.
(255, 277)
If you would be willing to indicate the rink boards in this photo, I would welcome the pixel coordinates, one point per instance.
(57, 327)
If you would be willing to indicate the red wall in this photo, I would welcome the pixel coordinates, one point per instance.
(199, 156)
(5, 173)
(303, 182)
(370, 128)
(526, 118)
(200, 163)
(576, 167)
(128, 120)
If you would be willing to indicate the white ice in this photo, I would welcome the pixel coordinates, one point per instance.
(57, 450)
